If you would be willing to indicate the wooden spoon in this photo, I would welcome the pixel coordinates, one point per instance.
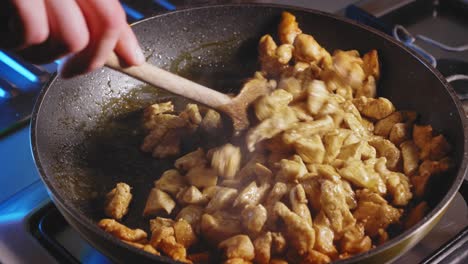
(235, 108)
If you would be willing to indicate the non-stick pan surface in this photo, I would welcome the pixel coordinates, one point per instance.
(86, 133)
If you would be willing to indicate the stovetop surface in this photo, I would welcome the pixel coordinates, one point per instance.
(19, 172)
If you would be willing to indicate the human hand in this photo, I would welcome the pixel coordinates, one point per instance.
(86, 31)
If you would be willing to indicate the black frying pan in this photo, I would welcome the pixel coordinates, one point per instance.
(85, 131)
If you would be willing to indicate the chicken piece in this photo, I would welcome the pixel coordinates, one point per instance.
(284, 53)
(399, 188)
(276, 194)
(385, 148)
(191, 195)
(313, 191)
(332, 142)
(165, 123)
(300, 234)
(301, 111)
(363, 176)
(249, 168)
(410, 155)
(193, 159)
(315, 257)
(226, 160)
(293, 86)
(270, 127)
(374, 212)
(150, 119)
(176, 251)
(192, 115)
(254, 218)
(351, 138)
(184, 233)
(334, 206)
(324, 235)
(251, 195)
(384, 126)
(264, 174)
(371, 64)
(349, 194)
(298, 200)
(192, 214)
(219, 226)
(374, 108)
(122, 232)
(353, 123)
(291, 169)
(267, 105)
(117, 201)
(352, 151)
(210, 191)
(369, 88)
(262, 246)
(278, 243)
(422, 135)
(354, 241)
(238, 246)
(160, 222)
(317, 96)
(171, 182)
(426, 170)
(400, 132)
(202, 177)
(429, 167)
(308, 129)
(169, 145)
(212, 122)
(348, 67)
(416, 214)
(398, 185)
(268, 58)
(288, 28)
(223, 198)
(311, 149)
(158, 201)
(439, 147)
(148, 248)
(307, 49)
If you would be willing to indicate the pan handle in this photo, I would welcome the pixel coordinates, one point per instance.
(456, 250)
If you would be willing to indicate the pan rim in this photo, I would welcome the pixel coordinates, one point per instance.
(427, 220)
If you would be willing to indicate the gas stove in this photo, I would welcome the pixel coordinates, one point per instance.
(32, 230)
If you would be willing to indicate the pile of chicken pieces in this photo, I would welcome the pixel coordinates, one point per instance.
(320, 177)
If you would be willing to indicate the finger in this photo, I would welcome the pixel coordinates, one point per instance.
(68, 32)
(105, 20)
(128, 48)
(30, 23)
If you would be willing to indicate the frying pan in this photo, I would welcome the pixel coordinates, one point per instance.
(86, 133)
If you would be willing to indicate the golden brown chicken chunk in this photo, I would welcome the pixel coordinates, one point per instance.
(374, 212)
(239, 246)
(171, 182)
(158, 201)
(254, 218)
(117, 201)
(300, 234)
(288, 28)
(262, 246)
(117, 229)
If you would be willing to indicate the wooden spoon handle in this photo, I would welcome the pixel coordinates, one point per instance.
(175, 84)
